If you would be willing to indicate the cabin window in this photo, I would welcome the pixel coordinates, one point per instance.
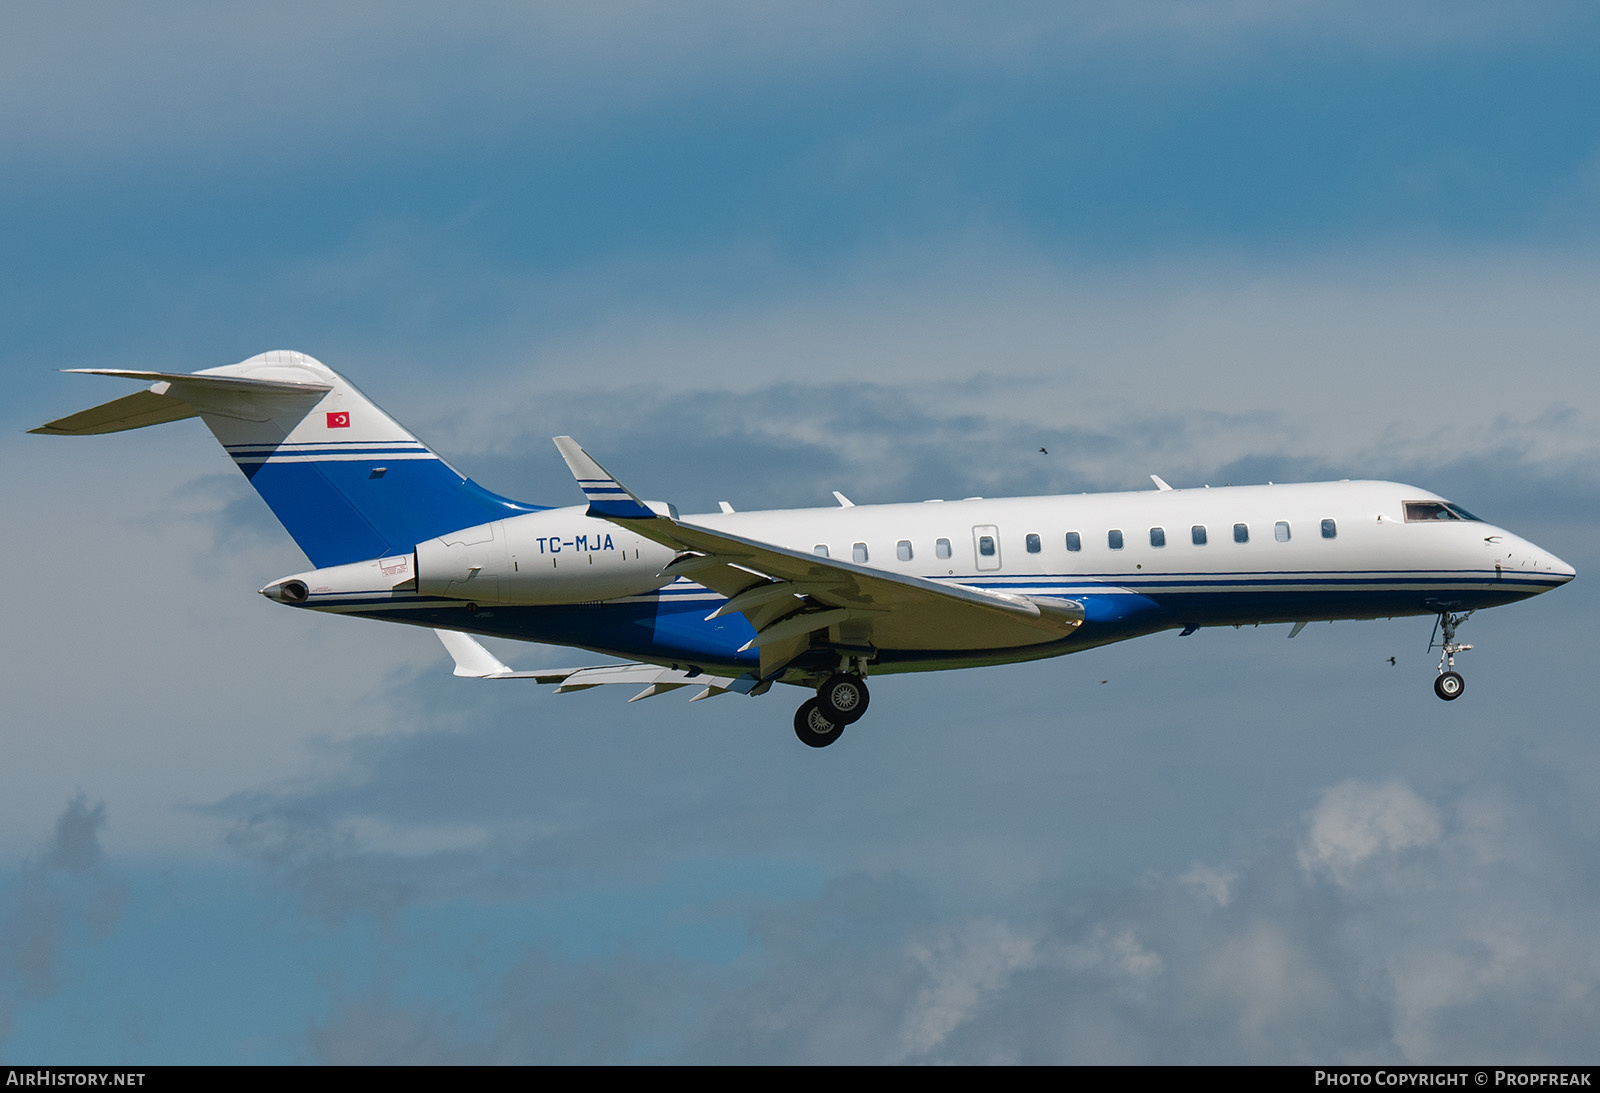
(1330, 530)
(1197, 535)
(1280, 531)
(1033, 543)
(858, 551)
(1114, 538)
(986, 545)
(1158, 537)
(1074, 541)
(902, 550)
(941, 548)
(1241, 533)
(820, 550)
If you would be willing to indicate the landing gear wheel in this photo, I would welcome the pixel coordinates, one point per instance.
(844, 697)
(1449, 686)
(813, 727)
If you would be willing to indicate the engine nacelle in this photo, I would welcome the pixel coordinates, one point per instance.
(549, 557)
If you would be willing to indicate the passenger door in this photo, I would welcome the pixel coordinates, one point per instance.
(986, 546)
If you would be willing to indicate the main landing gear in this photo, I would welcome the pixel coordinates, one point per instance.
(812, 726)
(1449, 686)
(840, 701)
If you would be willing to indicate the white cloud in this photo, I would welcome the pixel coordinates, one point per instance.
(1477, 961)
(1356, 822)
(1473, 961)
(1113, 951)
(1217, 884)
(959, 970)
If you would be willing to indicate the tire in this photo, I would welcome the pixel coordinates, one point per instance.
(1449, 686)
(844, 698)
(813, 726)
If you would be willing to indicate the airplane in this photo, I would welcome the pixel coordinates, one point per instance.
(820, 598)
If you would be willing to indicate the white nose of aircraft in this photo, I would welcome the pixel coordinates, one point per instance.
(1514, 554)
(1556, 566)
(1532, 558)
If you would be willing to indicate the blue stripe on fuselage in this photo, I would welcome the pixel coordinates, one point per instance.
(671, 625)
(664, 629)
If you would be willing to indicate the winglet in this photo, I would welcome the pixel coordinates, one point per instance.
(472, 659)
(475, 662)
(607, 497)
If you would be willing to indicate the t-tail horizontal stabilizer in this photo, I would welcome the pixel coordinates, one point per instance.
(172, 396)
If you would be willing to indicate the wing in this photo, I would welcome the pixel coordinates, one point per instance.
(476, 662)
(789, 595)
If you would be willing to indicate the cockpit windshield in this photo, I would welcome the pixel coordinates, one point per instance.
(1421, 511)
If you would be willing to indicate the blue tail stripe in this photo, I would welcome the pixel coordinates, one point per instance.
(626, 508)
(338, 512)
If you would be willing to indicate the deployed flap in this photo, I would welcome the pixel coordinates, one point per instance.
(788, 594)
(653, 677)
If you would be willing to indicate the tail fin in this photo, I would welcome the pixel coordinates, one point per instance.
(345, 479)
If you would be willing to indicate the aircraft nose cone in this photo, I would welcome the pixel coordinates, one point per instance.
(1544, 563)
(1530, 560)
(1559, 568)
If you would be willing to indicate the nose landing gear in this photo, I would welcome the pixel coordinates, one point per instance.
(1449, 686)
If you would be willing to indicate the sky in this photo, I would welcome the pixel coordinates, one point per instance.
(757, 254)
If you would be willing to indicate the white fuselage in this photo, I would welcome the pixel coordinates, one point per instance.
(1283, 536)
(1138, 562)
